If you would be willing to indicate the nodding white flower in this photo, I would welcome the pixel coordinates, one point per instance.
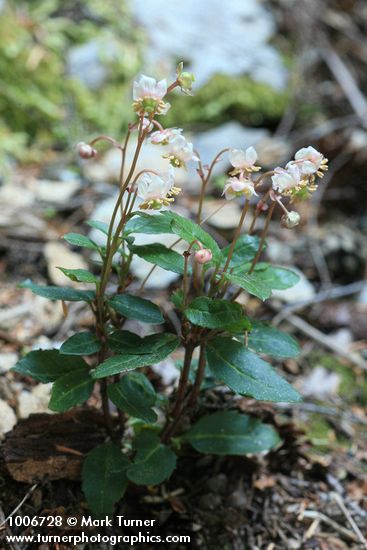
(286, 179)
(156, 190)
(203, 256)
(290, 219)
(238, 187)
(243, 161)
(163, 137)
(85, 151)
(180, 152)
(310, 161)
(148, 95)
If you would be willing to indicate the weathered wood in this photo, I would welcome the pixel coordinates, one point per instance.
(47, 447)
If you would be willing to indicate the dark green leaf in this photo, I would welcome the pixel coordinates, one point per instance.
(245, 373)
(101, 226)
(123, 341)
(70, 390)
(104, 478)
(122, 363)
(76, 239)
(251, 284)
(82, 343)
(214, 313)
(79, 275)
(48, 365)
(153, 463)
(244, 250)
(231, 433)
(59, 293)
(135, 395)
(160, 255)
(272, 342)
(277, 278)
(190, 231)
(134, 307)
(151, 224)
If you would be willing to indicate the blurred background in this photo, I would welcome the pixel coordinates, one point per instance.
(278, 75)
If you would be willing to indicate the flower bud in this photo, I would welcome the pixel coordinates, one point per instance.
(85, 151)
(185, 79)
(203, 256)
(290, 220)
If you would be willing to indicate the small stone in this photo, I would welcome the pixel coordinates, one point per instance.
(301, 292)
(7, 418)
(7, 361)
(320, 383)
(60, 255)
(56, 191)
(226, 218)
(34, 401)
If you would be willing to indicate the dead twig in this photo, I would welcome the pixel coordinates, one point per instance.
(338, 499)
(327, 294)
(326, 341)
(314, 514)
(27, 495)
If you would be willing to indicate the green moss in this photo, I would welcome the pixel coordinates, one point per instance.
(227, 98)
(351, 388)
(319, 432)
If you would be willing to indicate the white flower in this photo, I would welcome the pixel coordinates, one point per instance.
(164, 137)
(180, 152)
(148, 96)
(237, 187)
(309, 160)
(286, 179)
(243, 161)
(148, 88)
(156, 190)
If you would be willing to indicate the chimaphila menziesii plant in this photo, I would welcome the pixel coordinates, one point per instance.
(220, 343)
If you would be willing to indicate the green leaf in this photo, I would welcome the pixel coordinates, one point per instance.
(244, 251)
(48, 365)
(76, 239)
(104, 478)
(123, 341)
(250, 283)
(272, 342)
(79, 275)
(101, 226)
(277, 278)
(126, 361)
(245, 373)
(82, 343)
(137, 308)
(189, 231)
(59, 293)
(70, 390)
(150, 224)
(135, 395)
(214, 313)
(160, 255)
(231, 433)
(154, 462)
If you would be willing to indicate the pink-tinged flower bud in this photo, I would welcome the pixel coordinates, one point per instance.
(85, 151)
(203, 256)
(290, 220)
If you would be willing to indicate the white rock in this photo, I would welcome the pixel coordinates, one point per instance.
(320, 383)
(226, 218)
(59, 255)
(34, 401)
(168, 371)
(7, 361)
(301, 292)
(56, 191)
(7, 418)
(216, 37)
